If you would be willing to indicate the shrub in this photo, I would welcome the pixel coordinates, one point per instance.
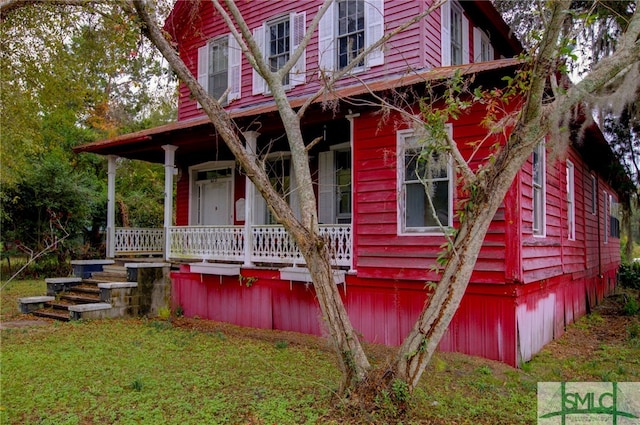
(629, 275)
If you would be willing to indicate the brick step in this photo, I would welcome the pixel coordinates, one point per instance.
(79, 299)
(51, 313)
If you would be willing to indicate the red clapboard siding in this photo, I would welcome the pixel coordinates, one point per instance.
(554, 254)
(380, 251)
(182, 200)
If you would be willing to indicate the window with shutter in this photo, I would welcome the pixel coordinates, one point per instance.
(278, 39)
(219, 68)
(454, 34)
(346, 29)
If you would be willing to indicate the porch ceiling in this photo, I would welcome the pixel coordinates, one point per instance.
(189, 135)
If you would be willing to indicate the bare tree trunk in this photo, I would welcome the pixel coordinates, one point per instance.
(352, 358)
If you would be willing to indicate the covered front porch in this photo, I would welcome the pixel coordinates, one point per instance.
(213, 212)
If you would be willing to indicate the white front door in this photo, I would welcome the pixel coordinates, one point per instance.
(214, 207)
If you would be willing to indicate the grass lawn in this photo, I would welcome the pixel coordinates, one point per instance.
(190, 371)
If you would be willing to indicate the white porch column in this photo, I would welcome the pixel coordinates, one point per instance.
(351, 117)
(169, 171)
(251, 138)
(111, 205)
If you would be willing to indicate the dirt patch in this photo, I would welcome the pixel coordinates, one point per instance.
(17, 324)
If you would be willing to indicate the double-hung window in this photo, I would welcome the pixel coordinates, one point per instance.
(571, 202)
(539, 195)
(454, 34)
(347, 28)
(219, 68)
(425, 185)
(279, 46)
(278, 39)
(350, 31)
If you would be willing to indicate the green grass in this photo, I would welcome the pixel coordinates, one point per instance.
(153, 372)
(18, 289)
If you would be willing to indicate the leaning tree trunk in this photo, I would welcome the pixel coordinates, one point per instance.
(313, 247)
(423, 339)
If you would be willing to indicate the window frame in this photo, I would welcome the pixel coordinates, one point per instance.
(571, 200)
(402, 137)
(541, 230)
(212, 59)
(358, 33)
(286, 51)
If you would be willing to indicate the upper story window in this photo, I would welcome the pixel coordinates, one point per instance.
(571, 202)
(539, 190)
(279, 45)
(454, 35)
(219, 68)
(425, 185)
(482, 48)
(278, 39)
(350, 31)
(347, 28)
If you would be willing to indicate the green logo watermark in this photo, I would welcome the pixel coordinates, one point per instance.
(577, 403)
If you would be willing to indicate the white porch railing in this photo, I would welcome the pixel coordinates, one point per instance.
(270, 244)
(132, 240)
(224, 243)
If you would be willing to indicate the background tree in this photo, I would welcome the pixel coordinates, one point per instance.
(81, 76)
(593, 30)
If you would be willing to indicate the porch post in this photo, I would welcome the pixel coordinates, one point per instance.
(111, 205)
(169, 171)
(251, 138)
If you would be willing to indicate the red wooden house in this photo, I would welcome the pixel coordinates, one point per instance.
(551, 252)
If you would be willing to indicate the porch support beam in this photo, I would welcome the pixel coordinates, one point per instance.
(251, 139)
(111, 205)
(169, 171)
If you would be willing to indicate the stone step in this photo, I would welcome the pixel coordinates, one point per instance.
(114, 268)
(108, 275)
(79, 299)
(86, 288)
(51, 313)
